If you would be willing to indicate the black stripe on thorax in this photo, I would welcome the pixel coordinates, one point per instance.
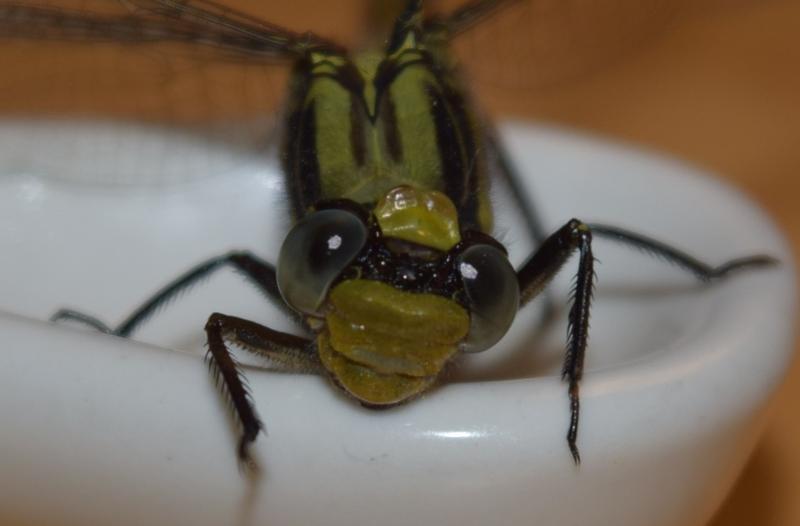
(457, 152)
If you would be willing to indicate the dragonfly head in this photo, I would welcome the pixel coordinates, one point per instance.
(396, 288)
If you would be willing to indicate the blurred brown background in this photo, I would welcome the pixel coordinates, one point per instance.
(715, 82)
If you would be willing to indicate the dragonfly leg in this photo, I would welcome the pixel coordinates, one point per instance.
(509, 173)
(259, 272)
(545, 263)
(536, 273)
(85, 319)
(701, 270)
(506, 169)
(291, 352)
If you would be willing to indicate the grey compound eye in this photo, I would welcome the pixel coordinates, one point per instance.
(318, 248)
(492, 295)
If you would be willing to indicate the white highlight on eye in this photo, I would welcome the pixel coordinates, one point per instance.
(334, 242)
(468, 271)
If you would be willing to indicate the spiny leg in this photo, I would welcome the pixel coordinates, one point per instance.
(703, 271)
(259, 272)
(540, 268)
(292, 352)
(507, 170)
(536, 273)
(85, 319)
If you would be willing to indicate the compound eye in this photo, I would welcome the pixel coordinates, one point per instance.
(316, 251)
(492, 295)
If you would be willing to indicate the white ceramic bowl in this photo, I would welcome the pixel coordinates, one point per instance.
(101, 430)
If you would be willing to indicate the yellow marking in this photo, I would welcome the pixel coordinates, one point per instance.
(426, 217)
(367, 64)
(367, 385)
(384, 345)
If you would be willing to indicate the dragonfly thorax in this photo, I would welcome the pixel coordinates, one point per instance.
(359, 126)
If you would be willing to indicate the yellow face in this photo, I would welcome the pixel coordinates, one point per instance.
(384, 345)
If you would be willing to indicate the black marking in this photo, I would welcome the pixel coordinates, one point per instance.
(456, 163)
(357, 139)
(408, 21)
(391, 133)
(302, 163)
(391, 68)
(473, 166)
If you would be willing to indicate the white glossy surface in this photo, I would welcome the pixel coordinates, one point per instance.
(100, 430)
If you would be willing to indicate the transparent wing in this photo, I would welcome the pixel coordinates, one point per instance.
(94, 80)
(197, 22)
(217, 73)
(529, 47)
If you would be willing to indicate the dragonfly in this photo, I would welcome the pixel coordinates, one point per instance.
(391, 267)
